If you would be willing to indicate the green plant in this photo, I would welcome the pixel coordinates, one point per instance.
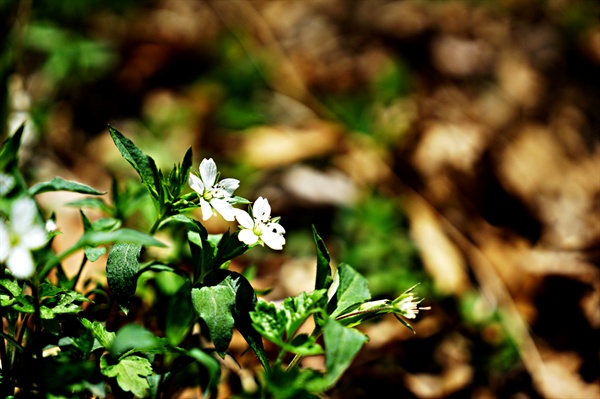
(49, 325)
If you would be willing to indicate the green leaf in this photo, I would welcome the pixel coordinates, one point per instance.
(225, 300)
(186, 166)
(96, 238)
(229, 247)
(60, 184)
(131, 373)
(10, 149)
(214, 305)
(294, 383)
(352, 290)
(11, 286)
(61, 302)
(10, 292)
(93, 203)
(212, 367)
(134, 338)
(122, 267)
(341, 346)
(142, 163)
(104, 338)
(180, 314)
(324, 278)
(279, 324)
(93, 254)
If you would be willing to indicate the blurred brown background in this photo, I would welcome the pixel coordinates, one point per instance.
(453, 143)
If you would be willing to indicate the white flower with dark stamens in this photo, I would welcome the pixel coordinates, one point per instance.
(213, 195)
(408, 307)
(20, 237)
(260, 227)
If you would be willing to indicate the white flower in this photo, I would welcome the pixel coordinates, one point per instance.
(260, 227)
(213, 195)
(408, 307)
(18, 239)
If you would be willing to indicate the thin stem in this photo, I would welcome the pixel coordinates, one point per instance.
(78, 275)
(155, 225)
(297, 358)
(8, 389)
(37, 318)
(294, 362)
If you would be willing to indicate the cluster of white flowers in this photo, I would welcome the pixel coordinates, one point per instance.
(257, 226)
(19, 237)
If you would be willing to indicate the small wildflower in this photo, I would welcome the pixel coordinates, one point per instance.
(408, 306)
(50, 225)
(213, 196)
(20, 237)
(260, 227)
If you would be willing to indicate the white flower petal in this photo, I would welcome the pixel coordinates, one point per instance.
(230, 185)
(20, 262)
(273, 240)
(4, 242)
(206, 209)
(35, 238)
(196, 184)
(247, 237)
(208, 172)
(275, 228)
(224, 208)
(261, 209)
(244, 218)
(22, 215)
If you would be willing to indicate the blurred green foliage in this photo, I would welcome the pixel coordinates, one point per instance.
(373, 237)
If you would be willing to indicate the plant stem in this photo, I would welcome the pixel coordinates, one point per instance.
(155, 225)
(8, 389)
(37, 319)
(297, 358)
(78, 275)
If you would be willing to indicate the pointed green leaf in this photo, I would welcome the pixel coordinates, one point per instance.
(142, 163)
(214, 305)
(60, 184)
(228, 248)
(227, 300)
(122, 267)
(352, 290)
(10, 149)
(341, 346)
(96, 238)
(93, 203)
(324, 278)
